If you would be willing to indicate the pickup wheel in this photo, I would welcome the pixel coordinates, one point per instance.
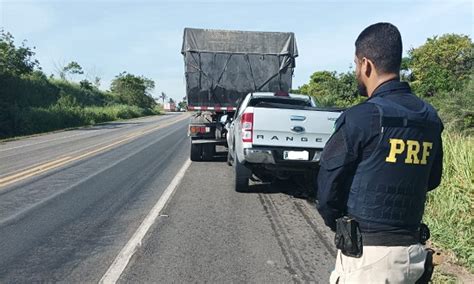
(311, 183)
(242, 176)
(196, 152)
(229, 158)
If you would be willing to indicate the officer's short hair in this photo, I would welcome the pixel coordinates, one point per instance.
(382, 44)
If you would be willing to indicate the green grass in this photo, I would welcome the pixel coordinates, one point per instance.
(34, 120)
(449, 210)
(442, 278)
(33, 103)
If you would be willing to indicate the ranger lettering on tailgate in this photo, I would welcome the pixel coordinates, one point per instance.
(290, 138)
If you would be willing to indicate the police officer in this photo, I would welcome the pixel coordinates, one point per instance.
(378, 165)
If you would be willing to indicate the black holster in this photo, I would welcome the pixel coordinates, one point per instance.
(348, 238)
(425, 234)
(429, 268)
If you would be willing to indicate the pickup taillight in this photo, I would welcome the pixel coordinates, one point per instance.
(247, 127)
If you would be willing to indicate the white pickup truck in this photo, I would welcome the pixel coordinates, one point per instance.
(275, 135)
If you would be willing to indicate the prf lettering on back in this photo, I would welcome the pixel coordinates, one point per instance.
(412, 149)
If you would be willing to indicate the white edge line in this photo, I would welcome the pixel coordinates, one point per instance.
(121, 261)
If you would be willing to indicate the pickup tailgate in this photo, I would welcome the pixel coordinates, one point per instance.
(293, 127)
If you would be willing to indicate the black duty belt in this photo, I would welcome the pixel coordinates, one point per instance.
(390, 239)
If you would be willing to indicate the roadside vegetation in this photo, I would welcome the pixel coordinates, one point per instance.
(32, 102)
(441, 72)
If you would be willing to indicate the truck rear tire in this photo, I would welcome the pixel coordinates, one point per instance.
(242, 176)
(196, 152)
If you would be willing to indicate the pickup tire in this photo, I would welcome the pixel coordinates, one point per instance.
(241, 176)
(196, 152)
(229, 158)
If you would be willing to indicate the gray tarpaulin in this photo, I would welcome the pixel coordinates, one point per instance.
(222, 66)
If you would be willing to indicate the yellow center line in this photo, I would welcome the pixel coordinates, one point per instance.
(30, 172)
(26, 173)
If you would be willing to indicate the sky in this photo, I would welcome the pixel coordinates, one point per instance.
(143, 37)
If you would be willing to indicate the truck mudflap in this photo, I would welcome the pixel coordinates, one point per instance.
(202, 152)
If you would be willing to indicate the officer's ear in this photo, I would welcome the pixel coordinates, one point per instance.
(367, 67)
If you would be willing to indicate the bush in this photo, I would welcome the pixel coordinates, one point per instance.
(449, 212)
(36, 120)
(83, 94)
(30, 90)
(133, 90)
(32, 103)
(332, 89)
(456, 108)
(441, 64)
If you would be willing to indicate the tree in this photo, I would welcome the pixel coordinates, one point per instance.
(133, 90)
(163, 96)
(347, 85)
(171, 101)
(331, 88)
(59, 69)
(405, 69)
(97, 81)
(182, 105)
(86, 85)
(94, 76)
(14, 60)
(72, 68)
(441, 64)
(322, 83)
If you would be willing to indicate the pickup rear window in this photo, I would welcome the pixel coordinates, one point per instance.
(279, 102)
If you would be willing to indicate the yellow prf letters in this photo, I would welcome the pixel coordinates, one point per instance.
(412, 152)
(397, 146)
(427, 146)
(412, 147)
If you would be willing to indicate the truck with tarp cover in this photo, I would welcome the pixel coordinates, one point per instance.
(222, 67)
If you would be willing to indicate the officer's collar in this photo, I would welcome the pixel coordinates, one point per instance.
(389, 87)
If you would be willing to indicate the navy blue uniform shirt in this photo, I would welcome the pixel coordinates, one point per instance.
(356, 135)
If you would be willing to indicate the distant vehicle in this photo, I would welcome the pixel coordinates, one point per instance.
(221, 67)
(169, 107)
(276, 135)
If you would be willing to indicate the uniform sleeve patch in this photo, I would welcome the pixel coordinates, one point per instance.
(335, 152)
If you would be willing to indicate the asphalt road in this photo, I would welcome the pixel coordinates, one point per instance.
(68, 221)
